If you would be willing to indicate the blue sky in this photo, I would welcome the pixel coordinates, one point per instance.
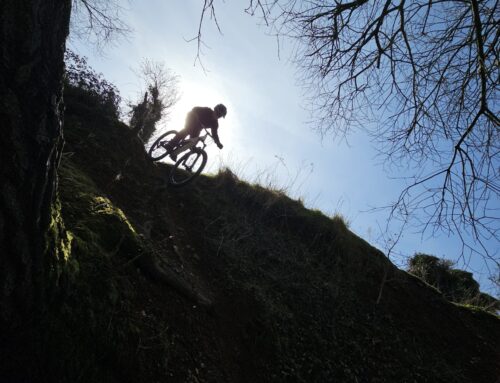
(265, 134)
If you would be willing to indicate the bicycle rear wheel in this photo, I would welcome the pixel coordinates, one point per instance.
(188, 167)
(159, 149)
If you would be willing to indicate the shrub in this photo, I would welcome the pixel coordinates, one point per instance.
(81, 77)
(456, 285)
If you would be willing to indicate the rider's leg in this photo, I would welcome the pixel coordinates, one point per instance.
(177, 138)
(193, 125)
(192, 128)
(195, 132)
(189, 128)
(181, 135)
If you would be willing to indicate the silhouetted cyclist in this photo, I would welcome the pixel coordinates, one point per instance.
(198, 118)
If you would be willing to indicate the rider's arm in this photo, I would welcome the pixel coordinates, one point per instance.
(215, 136)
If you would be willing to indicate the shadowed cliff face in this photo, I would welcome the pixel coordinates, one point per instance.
(295, 296)
(32, 37)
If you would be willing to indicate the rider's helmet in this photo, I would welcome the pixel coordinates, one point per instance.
(220, 110)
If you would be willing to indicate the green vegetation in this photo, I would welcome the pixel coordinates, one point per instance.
(78, 340)
(295, 294)
(456, 285)
(81, 80)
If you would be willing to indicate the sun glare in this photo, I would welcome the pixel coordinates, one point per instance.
(193, 95)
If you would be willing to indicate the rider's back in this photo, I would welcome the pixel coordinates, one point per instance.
(206, 116)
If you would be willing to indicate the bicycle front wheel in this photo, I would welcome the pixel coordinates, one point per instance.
(159, 149)
(188, 167)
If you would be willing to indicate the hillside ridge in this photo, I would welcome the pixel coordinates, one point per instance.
(290, 294)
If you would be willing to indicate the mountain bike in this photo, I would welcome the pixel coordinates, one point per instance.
(192, 161)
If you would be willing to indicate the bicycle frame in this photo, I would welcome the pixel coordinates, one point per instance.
(192, 142)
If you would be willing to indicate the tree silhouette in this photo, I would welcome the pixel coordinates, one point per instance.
(81, 77)
(161, 95)
(32, 44)
(32, 236)
(422, 78)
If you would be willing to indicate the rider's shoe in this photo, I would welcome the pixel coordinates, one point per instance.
(169, 147)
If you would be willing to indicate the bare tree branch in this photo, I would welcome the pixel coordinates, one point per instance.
(99, 21)
(161, 94)
(422, 78)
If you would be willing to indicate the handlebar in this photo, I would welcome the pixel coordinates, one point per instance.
(202, 138)
(206, 129)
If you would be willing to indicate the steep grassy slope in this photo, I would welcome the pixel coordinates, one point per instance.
(314, 287)
(287, 294)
